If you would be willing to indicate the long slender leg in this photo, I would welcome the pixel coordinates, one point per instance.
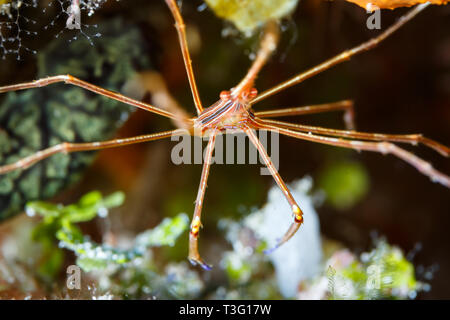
(194, 256)
(86, 85)
(268, 45)
(297, 212)
(346, 55)
(181, 30)
(67, 147)
(344, 105)
(407, 138)
(381, 147)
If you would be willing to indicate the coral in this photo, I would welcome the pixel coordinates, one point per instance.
(125, 272)
(73, 10)
(300, 270)
(382, 273)
(131, 268)
(294, 261)
(59, 220)
(35, 119)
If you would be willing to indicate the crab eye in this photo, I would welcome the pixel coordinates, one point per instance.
(225, 95)
(249, 94)
(252, 93)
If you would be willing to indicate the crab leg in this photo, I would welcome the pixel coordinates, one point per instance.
(268, 45)
(67, 147)
(382, 147)
(346, 55)
(181, 30)
(194, 256)
(345, 105)
(296, 211)
(88, 86)
(405, 138)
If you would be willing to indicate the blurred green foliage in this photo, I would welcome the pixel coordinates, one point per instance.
(249, 272)
(383, 273)
(119, 272)
(345, 183)
(129, 270)
(58, 221)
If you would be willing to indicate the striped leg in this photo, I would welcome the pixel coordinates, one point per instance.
(194, 256)
(381, 147)
(67, 147)
(88, 86)
(181, 30)
(344, 56)
(297, 212)
(345, 105)
(405, 138)
(268, 45)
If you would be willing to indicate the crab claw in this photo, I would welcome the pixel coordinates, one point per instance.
(270, 250)
(289, 234)
(201, 263)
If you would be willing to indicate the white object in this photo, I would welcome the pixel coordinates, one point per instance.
(299, 258)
